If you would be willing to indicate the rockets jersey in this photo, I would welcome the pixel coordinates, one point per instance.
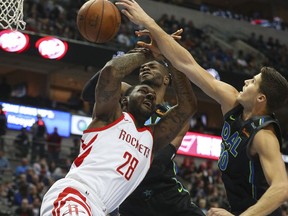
(162, 173)
(242, 175)
(113, 160)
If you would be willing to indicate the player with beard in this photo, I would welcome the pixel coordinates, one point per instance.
(160, 193)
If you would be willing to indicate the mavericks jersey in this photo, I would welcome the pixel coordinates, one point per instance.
(113, 160)
(242, 175)
(160, 110)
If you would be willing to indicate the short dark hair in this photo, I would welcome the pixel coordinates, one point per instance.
(129, 90)
(275, 88)
(166, 66)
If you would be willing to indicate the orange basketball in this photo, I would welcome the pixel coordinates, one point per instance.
(98, 21)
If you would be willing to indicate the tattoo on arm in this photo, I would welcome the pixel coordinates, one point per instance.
(171, 124)
(125, 64)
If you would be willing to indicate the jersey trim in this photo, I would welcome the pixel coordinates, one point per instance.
(144, 128)
(106, 126)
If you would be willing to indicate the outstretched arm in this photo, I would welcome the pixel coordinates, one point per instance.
(181, 59)
(108, 87)
(88, 92)
(172, 122)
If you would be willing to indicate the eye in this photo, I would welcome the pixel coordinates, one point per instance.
(142, 91)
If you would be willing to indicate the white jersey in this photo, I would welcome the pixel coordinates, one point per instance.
(113, 160)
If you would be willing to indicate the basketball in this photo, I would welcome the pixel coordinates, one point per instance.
(98, 21)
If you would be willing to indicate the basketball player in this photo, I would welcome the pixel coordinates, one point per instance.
(117, 148)
(160, 192)
(251, 163)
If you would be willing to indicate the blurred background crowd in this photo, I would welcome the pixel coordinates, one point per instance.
(30, 161)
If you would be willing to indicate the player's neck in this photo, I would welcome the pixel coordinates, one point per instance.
(160, 93)
(247, 114)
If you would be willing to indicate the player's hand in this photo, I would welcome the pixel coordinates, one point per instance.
(132, 10)
(218, 212)
(153, 45)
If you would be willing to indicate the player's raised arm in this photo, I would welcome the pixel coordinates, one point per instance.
(180, 58)
(174, 120)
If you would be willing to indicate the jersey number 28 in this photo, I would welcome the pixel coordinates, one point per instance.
(129, 165)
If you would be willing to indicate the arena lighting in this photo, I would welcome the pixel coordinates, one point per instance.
(200, 145)
(51, 47)
(79, 124)
(19, 116)
(13, 41)
(204, 146)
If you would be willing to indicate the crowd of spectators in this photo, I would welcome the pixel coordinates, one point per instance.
(23, 186)
(59, 18)
(255, 18)
(27, 182)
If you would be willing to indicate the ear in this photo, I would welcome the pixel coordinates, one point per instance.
(166, 80)
(124, 102)
(261, 98)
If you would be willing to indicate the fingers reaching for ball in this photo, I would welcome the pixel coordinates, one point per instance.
(176, 35)
(132, 10)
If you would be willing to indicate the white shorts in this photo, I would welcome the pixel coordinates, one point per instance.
(69, 197)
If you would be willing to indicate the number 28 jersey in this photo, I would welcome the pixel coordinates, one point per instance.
(113, 160)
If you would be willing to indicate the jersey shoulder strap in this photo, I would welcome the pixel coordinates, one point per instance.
(160, 110)
(256, 123)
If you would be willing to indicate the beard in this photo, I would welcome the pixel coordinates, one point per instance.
(153, 83)
(139, 112)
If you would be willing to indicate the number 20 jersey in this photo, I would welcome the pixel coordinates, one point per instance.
(113, 160)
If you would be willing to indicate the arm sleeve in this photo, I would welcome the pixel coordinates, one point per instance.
(162, 161)
(88, 92)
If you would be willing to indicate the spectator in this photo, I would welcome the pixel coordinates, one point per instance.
(22, 144)
(240, 59)
(5, 90)
(202, 203)
(4, 163)
(38, 139)
(22, 193)
(25, 209)
(74, 150)
(3, 126)
(22, 168)
(36, 206)
(123, 36)
(54, 145)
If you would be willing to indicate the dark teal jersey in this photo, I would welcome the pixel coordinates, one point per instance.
(242, 175)
(160, 110)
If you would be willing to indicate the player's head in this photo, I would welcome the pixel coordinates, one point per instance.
(154, 74)
(268, 87)
(139, 100)
(274, 86)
